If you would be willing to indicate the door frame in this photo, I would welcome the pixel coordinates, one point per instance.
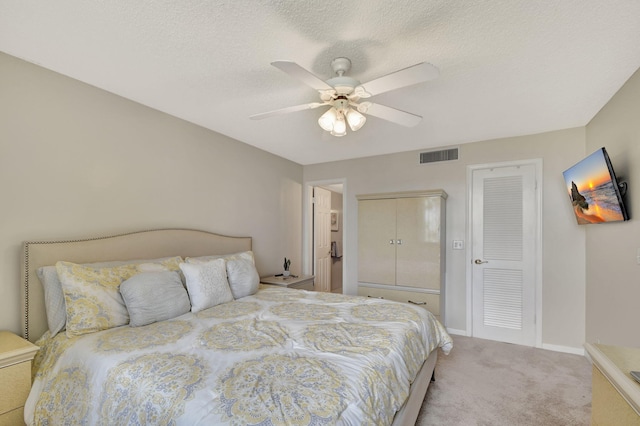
(308, 255)
(537, 163)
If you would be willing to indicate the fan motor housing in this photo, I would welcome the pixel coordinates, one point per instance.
(341, 103)
(344, 85)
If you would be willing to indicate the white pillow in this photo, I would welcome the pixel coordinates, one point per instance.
(241, 272)
(55, 307)
(154, 296)
(241, 255)
(207, 284)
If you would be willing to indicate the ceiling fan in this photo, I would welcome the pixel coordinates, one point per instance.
(344, 94)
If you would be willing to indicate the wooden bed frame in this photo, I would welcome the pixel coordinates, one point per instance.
(149, 245)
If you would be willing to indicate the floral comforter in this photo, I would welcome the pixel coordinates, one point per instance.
(279, 357)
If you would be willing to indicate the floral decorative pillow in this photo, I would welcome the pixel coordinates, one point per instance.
(207, 284)
(92, 294)
(241, 272)
(204, 259)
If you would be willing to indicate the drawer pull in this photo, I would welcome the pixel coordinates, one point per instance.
(375, 297)
(417, 303)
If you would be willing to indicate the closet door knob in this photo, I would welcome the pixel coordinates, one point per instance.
(399, 242)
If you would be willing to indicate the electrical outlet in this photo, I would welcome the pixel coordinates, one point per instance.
(638, 257)
(459, 245)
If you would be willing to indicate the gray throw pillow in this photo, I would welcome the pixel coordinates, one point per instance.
(243, 277)
(154, 296)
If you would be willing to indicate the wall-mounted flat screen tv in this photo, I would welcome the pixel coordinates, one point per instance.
(594, 191)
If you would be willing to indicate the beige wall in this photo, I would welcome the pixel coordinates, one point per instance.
(563, 292)
(77, 162)
(612, 271)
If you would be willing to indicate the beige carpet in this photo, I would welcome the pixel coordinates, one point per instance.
(482, 382)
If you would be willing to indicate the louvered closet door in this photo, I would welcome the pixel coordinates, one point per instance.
(504, 229)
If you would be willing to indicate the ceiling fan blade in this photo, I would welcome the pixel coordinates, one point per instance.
(296, 71)
(390, 114)
(406, 77)
(287, 110)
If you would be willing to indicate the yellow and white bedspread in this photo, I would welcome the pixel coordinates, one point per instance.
(279, 357)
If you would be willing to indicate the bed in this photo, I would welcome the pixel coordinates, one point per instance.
(268, 356)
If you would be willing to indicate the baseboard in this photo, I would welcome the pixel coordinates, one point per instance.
(565, 349)
(554, 348)
(457, 332)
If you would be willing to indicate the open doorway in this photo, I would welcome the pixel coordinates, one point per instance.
(323, 251)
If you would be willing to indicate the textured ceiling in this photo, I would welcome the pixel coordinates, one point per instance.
(508, 67)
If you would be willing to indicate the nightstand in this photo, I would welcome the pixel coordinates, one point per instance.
(300, 282)
(16, 354)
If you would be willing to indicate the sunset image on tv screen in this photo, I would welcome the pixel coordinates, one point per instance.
(592, 191)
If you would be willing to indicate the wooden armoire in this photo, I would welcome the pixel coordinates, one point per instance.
(401, 247)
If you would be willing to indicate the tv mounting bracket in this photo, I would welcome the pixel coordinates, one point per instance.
(623, 188)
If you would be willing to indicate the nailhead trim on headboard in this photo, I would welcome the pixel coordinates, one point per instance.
(25, 330)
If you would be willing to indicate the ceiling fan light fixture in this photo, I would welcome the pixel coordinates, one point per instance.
(343, 93)
(328, 119)
(355, 119)
(340, 126)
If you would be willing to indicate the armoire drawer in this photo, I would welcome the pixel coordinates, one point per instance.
(429, 301)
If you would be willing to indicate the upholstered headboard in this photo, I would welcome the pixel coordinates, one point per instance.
(135, 245)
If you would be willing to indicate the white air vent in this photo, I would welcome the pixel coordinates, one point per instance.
(442, 155)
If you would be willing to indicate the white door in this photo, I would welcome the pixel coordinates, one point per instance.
(322, 238)
(504, 237)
